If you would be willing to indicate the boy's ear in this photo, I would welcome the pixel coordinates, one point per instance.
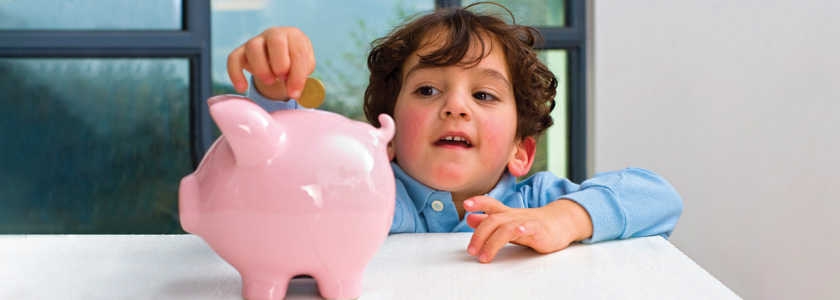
(523, 157)
(391, 152)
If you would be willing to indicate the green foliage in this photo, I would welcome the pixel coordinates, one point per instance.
(346, 86)
(92, 146)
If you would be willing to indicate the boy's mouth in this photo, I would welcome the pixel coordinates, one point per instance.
(457, 141)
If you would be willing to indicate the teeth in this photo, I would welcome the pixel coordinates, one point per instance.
(455, 138)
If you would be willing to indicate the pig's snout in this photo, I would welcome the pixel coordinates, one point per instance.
(188, 204)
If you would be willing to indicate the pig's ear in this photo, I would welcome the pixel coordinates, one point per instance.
(386, 128)
(251, 132)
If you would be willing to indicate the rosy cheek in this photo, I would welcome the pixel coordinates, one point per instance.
(497, 135)
(409, 124)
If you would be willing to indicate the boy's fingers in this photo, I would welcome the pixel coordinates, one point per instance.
(480, 236)
(277, 50)
(295, 83)
(255, 53)
(486, 204)
(500, 237)
(474, 220)
(533, 234)
(484, 230)
(527, 233)
(235, 64)
(486, 225)
(302, 64)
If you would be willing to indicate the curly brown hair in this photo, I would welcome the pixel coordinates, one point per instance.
(534, 86)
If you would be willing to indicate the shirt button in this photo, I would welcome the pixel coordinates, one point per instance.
(437, 205)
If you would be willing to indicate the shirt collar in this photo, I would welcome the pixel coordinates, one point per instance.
(506, 183)
(419, 192)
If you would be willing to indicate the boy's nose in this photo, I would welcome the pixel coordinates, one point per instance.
(455, 107)
(449, 113)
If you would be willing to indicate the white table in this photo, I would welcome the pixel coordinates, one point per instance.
(408, 266)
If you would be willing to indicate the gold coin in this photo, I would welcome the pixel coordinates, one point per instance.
(313, 93)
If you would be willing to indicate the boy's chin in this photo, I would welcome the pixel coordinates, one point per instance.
(447, 177)
(454, 180)
(443, 179)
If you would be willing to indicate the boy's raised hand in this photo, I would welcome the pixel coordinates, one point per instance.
(546, 229)
(280, 58)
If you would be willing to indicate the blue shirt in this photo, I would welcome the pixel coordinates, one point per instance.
(622, 204)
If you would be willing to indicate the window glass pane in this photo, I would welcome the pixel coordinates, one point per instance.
(554, 145)
(533, 12)
(93, 145)
(341, 44)
(90, 15)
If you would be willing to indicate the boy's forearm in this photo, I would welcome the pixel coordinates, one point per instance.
(573, 218)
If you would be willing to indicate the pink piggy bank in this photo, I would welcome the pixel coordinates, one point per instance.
(290, 193)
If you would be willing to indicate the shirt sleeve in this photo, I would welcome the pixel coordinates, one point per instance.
(268, 104)
(622, 204)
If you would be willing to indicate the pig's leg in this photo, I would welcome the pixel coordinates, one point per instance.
(265, 288)
(340, 286)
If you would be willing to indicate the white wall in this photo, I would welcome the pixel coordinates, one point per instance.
(737, 104)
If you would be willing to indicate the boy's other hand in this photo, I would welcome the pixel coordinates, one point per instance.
(546, 229)
(280, 58)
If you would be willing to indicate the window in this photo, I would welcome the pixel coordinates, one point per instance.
(107, 113)
(105, 101)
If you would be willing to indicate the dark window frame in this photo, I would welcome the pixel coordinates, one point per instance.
(571, 38)
(191, 42)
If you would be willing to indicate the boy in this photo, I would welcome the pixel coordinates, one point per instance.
(470, 98)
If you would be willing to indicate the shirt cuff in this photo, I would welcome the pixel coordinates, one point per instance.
(608, 219)
(268, 104)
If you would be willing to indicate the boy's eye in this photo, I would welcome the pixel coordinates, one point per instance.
(427, 91)
(483, 96)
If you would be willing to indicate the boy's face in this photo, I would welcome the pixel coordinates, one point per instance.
(456, 126)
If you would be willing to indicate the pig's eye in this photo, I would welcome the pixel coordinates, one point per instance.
(427, 91)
